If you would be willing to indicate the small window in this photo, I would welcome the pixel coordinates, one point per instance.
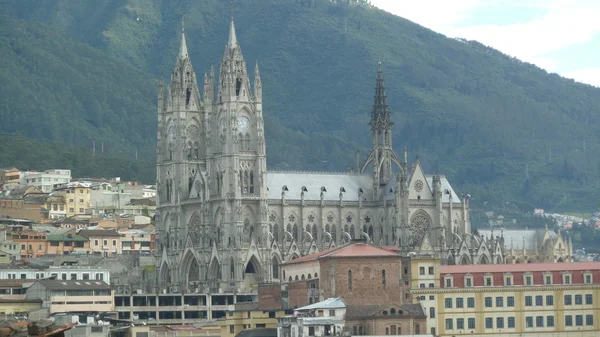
(568, 320)
(579, 320)
(449, 325)
(588, 278)
(471, 323)
(500, 322)
(539, 321)
(550, 321)
(529, 322)
(430, 270)
(470, 302)
(568, 300)
(589, 299)
(469, 281)
(528, 301)
(448, 282)
(489, 323)
(589, 320)
(528, 280)
(510, 301)
(460, 323)
(448, 303)
(421, 270)
(511, 322)
(432, 312)
(549, 300)
(539, 300)
(488, 281)
(578, 299)
(499, 302)
(383, 281)
(488, 302)
(548, 279)
(459, 303)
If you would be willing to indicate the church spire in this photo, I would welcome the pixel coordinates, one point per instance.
(232, 42)
(183, 51)
(381, 113)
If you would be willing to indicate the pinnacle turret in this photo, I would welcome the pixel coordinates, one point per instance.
(183, 51)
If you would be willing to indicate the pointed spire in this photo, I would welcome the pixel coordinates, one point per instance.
(232, 43)
(183, 52)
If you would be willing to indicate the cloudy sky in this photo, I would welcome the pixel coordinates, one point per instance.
(561, 36)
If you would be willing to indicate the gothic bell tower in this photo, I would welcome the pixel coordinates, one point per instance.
(239, 160)
(382, 154)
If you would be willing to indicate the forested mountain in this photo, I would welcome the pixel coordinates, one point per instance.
(502, 130)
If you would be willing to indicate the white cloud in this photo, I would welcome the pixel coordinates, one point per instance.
(561, 23)
(588, 75)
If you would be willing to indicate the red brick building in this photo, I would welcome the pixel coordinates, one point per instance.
(359, 273)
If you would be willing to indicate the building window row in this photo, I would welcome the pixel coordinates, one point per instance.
(460, 302)
(460, 323)
(539, 300)
(589, 320)
(589, 299)
(510, 301)
(539, 321)
(508, 279)
(500, 323)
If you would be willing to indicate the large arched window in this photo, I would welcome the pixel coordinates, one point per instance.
(242, 142)
(295, 232)
(276, 232)
(190, 149)
(334, 233)
(196, 150)
(350, 280)
(247, 142)
(251, 187)
(232, 269)
(276, 267)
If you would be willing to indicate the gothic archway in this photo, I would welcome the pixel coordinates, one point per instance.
(190, 268)
(276, 270)
(464, 260)
(253, 266)
(483, 260)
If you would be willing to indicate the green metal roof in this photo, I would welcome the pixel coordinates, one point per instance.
(66, 237)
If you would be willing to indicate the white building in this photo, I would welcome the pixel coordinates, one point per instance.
(46, 180)
(60, 272)
(325, 318)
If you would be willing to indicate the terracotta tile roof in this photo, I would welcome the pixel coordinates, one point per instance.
(525, 267)
(350, 250)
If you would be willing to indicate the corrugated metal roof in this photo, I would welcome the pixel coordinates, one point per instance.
(330, 303)
(314, 181)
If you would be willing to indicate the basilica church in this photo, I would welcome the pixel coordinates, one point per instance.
(226, 223)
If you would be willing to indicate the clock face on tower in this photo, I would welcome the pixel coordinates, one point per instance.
(243, 123)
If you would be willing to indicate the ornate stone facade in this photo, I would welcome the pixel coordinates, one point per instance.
(225, 223)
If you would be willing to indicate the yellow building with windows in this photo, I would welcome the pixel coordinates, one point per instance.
(538, 299)
(239, 320)
(77, 198)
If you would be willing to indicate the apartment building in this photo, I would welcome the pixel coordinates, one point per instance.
(103, 242)
(77, 198)
(72, 296)
(47, 180)
(74, 273)
(177, 308)
(545, 299)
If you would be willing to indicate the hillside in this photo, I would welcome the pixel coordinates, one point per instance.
(501, 129)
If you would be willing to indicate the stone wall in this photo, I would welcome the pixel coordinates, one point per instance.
(367, 286)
